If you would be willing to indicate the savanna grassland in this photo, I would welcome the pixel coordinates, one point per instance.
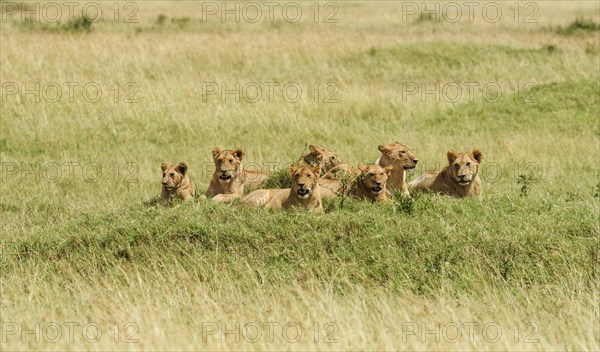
(84, 246)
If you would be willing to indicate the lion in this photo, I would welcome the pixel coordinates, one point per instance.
(362, 182)
(371, 184)
(175, 181)
(459, 179)
(402, 159)
(230, 179)
(322, 157)
(304, 193)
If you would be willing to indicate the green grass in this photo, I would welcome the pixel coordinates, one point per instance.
(458, 246)
(580, 25)
(527, 252)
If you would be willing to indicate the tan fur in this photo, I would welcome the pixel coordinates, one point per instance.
(304, 193)
(176, 182)
(336, 171)
(330, 187)
(322, 157)
(401, 158)
(460, 178)
(230, 180)
(371, 184)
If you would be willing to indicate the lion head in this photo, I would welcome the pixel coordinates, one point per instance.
(173, 175)
(323, 157)
(228, 163)
(399, 154)
(464, 166)
(304, 180)
(374, 177)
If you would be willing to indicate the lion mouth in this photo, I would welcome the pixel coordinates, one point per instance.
(376, 189)
(168, 188)
(464, 183)
(303, 193)
(225, 178)
(409, 167)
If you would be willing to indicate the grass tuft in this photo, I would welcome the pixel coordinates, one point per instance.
(578, 26)
(280, 178)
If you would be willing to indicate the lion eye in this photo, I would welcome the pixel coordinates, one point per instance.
(172, 174)
(456, 166)
(468, 164)
(164, 174)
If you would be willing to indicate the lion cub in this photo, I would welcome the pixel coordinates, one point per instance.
(322, 157)
(175, 181)
(371, 183)
(304, 192)
(460, 178)
(230, 179)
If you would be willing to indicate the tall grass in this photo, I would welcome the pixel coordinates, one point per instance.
(90, 244)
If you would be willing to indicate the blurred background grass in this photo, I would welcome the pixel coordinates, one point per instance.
(81, 251)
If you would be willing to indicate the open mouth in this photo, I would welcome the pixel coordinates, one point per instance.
(409, 167)
(376, 189)
(225, 178)
(303, 193)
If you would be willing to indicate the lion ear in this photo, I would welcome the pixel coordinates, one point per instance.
(452, 155)
(384, 149)
(239, 153)
(316, 151)
(164, 166)
(388, 169)
(477, 155)
(293, 169)
(216, 151)
(182, 168)
(362, 167)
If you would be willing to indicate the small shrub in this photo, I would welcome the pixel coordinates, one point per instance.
(278, 179)
(526, 181)
(404, 204)
(425, 17)
(160, 20)
(80, 24)
(550, 48)
(348, 180)
(580, 25)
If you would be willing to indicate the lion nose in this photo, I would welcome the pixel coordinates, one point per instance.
(301, 184)
(415, 161)
(378, 182)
